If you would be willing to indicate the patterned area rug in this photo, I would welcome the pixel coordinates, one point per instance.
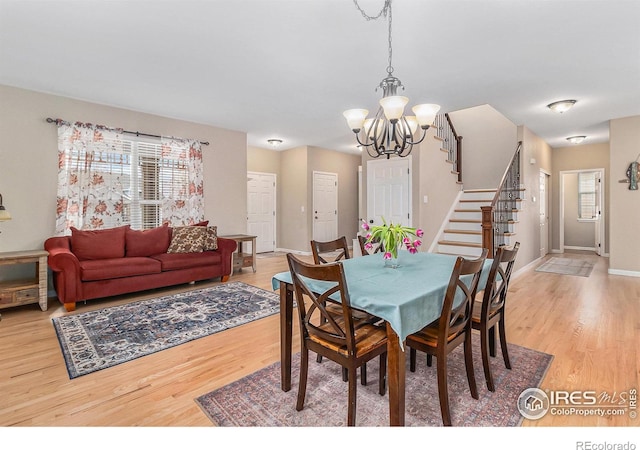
(567, 266)
(258, 401)
(100, 339)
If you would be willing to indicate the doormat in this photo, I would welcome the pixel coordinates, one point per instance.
(567, 266)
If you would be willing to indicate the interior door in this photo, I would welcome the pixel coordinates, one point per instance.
(598, 222)
(389, 191)
(261, 210)
(544, 213)
(325, 206)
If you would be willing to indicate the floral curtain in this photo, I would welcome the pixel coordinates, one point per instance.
(184, 205)
(95, 169)
(90, 173)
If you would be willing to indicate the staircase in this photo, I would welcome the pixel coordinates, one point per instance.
(462, 235)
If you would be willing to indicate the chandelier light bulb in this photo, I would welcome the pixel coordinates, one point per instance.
(393, 106)
(355, 118)
(426, 113)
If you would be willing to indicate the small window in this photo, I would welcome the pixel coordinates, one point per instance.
(587, 196)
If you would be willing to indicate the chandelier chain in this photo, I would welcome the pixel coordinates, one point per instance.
(385, 11)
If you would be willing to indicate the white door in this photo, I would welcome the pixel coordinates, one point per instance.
(599, 244)
(544, 213)
(261, 210)
(389, 191)
(325, 206)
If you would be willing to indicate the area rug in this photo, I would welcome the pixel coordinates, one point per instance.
(258, 401)
(567, 266)
(103, 338)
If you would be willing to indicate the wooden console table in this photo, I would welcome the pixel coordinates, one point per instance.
(241, 258)
(25, 291)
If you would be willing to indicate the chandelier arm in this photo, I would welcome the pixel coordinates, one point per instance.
(424, 134)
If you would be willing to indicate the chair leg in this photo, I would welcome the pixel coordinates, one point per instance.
(363, 374)
(492, 341)
(319, 358)
(353, 385)
(345, 374)
(503, 343)
(484, 349)
(443, 391)
(302, 386)
(412, 359)
(468, 362)
(429, 360)
(382, 376)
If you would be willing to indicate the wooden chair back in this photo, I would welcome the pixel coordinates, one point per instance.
(461, 291)
(321, 250)
(495, 291)
(362, 240)
(318, 282)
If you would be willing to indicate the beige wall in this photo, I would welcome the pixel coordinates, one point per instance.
(625, 204)
(535, 156)
(579, 157)
(294, 219)
(28, 162)
(488, 140)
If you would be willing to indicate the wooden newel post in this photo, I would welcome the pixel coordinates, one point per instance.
(487, 229)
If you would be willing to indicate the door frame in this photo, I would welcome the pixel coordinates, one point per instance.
(601, 236)
(275, 202)
(547, 205)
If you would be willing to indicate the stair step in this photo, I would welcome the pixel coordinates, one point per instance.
(480, 190)
(460, 244)
(466, 220)
(468, 210)
(463, 231)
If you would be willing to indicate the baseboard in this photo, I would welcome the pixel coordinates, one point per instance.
(556, 250)
(522, 270)
(624, 273)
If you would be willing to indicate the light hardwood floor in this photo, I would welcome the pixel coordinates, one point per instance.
(591, 326)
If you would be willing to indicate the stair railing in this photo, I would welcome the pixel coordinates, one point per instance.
(451, 142)
(497, 217)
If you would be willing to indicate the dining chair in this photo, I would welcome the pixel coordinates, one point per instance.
(362, 240)
(452, 329)
(325, 252)
(343, 339)
(489, 312)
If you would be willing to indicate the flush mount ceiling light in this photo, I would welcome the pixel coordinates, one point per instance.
(561, 106)
(390, 132)
(274, 142)
(576, 139)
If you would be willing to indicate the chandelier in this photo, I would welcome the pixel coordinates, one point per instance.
(390, 132)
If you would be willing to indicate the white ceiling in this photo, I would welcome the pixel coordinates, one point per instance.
(288, 68)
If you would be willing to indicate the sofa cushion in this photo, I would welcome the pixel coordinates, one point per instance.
(106, 269)
(98, 244)
(147, 242)
(177, 261)
(211, 238)
(189, 239)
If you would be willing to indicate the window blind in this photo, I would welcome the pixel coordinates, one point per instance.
(587, 195)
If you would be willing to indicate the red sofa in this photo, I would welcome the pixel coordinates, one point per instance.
(103, 263)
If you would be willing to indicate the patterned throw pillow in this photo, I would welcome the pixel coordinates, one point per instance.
(211, 238)
(189, 239)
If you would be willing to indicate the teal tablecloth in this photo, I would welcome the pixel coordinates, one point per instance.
(408, 297)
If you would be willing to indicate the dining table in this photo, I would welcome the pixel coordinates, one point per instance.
(407, 297)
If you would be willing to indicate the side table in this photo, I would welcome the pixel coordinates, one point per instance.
(240, 257)
(25, 291)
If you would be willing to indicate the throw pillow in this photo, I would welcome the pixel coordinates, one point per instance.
(211, 238)
(98, 244)
(147, 242)
(189, 239)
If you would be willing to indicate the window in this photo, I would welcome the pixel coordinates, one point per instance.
(106, 180)
(587, 195)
